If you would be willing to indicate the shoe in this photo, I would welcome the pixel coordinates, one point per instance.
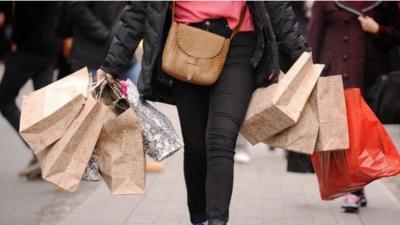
(242, 156)
(35, 174)
(363, 201)
(216, 222)
(32, 171)
(58, 189)
(153, 167)
(352, 203)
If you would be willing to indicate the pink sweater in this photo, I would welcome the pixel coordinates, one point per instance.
(197, 11)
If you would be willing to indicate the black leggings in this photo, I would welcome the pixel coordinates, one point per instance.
(210, 119)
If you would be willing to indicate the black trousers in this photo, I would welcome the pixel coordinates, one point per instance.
(210, 119)
(20, 67)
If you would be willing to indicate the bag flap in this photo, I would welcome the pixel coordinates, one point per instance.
(198, 43)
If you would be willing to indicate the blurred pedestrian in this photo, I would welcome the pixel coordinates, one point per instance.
(64, 32)
(33, 57)
(210, 116)
(351, 39)
(93, 26)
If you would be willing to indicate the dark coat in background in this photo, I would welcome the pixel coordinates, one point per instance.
(34, 26)
(275, 25)
(94, 24)
(337, 40)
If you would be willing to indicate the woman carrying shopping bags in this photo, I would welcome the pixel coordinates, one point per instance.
(236, 43)
(352, 39)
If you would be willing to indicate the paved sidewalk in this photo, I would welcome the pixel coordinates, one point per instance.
(264, 194)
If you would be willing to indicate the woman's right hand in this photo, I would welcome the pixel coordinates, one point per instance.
(103, 75)
(368, 24)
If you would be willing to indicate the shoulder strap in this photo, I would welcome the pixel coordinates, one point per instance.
(173, 10)
(241, 20)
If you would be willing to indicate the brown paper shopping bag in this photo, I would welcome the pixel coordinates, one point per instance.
(119, 149)
(302, 136)
(120, 154)
(279, 106)
(64, 162)
(48, 112)
(323, 123)
(333, 131)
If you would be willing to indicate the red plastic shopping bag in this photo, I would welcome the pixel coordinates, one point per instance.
(372, 154)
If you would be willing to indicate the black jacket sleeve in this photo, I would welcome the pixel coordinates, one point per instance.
(87, 23)
(290, 41)
(129, 33)
(389, 31)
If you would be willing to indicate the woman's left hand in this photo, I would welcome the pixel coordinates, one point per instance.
(368, 24)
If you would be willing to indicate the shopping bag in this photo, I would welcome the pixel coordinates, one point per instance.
(160, 139)
(302, 136)
(48, 112)
(322, 124)
(119, 149)
(371, 155)
(64, 162)
(279, 106)
(333, 131)
(91, 173)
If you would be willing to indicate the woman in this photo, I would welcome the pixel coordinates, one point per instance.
(210, 116)
(352, 39)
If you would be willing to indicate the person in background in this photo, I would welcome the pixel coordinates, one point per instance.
(64, 31)
(35, 49)
(351, 39)
(93, 26)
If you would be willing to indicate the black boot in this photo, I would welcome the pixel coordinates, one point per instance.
(216, 222)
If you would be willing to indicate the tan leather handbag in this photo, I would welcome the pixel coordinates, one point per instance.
(194, 55)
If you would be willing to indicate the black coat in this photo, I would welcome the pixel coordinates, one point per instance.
(275, 25)
(34, 28)
(93, 26)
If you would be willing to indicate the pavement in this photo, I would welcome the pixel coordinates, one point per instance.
(264, 194)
